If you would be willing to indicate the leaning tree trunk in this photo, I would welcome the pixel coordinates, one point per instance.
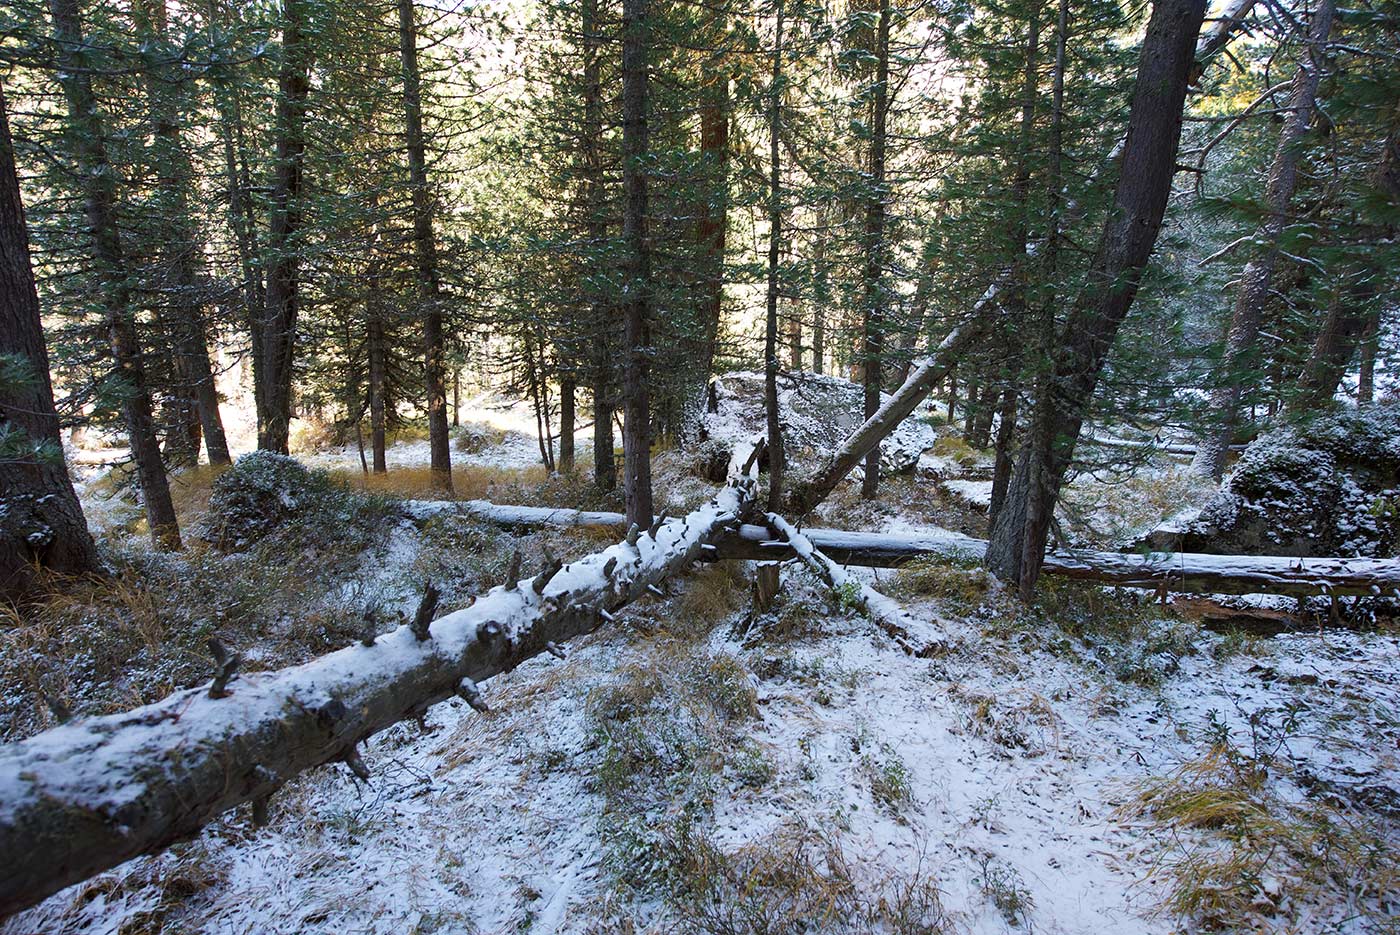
(41, 525)
(425, 254)
(930, 371)
(283, 267)
(1149, 162)
(1256, 283)
(87, 796)
(100, 206)
(1349, 316)
(636, 438)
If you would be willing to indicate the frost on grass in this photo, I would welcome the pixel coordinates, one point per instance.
(1326, 486)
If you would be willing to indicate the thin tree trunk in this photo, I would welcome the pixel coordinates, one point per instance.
(42, 524)
(714, 201)
(876, 297)
(636, 309)
(567, 391)
(1165, 64)
(176, 178)
(601, 314)
(100, 205)
(375, 350)
(776, 461)
(794, 339)
(1348, 317)
(425, 254)
(242, 218)
(1252, 295)
(283, 267)
(1366, 380)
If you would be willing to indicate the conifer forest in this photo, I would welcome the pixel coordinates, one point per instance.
(718, 467)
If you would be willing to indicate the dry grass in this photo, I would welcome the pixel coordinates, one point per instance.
(793, 881)
(1258, 857)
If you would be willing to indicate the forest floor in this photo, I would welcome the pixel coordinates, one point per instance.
(1095, 763)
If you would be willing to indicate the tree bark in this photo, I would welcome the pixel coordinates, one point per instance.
(567, 391)
(1349, 316)
(41, 522)
(601, 313)
(279, 323)
(776, 460)
(713, 208)
(1149, 162)
(425, 255)
(376, 351)
(88, 135)
(876, 249)
(87, 796)
(1256, 282)
(636, 440)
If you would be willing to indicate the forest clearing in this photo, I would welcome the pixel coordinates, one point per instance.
(648, 467)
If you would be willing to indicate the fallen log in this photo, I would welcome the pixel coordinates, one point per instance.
(915, 637)
(1171, 572)
(1174, 572)
(88, 795)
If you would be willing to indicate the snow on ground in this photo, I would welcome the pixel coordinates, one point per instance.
(997, 772)
(976, 492)
(1015, 755)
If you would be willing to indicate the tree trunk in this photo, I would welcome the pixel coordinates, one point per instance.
(1149, 162)
(1366, 379)
(100, 205)
(1349, 316)
(930, 371)
(242, 219)
(42, 524)
(876, 297)
(1256, 282)
(87, 796)
(567, 392)
(425, 255)
(283, 266)
(776, 460)
(376, 351)
(636, 441)
(176, 180)
(602, 313)
(805, 496)
(714, 202)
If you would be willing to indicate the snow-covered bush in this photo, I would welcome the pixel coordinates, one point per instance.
(1327, 486)
(266, 492)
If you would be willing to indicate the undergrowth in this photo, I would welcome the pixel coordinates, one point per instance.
(1247, 847)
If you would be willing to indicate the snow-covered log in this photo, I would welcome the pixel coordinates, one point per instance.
(916, 637)
(505, 514)
(1199, 573)
(1176, 572)
(86, 796)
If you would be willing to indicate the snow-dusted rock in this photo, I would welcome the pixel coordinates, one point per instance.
(818, 413)
(1328, 486)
